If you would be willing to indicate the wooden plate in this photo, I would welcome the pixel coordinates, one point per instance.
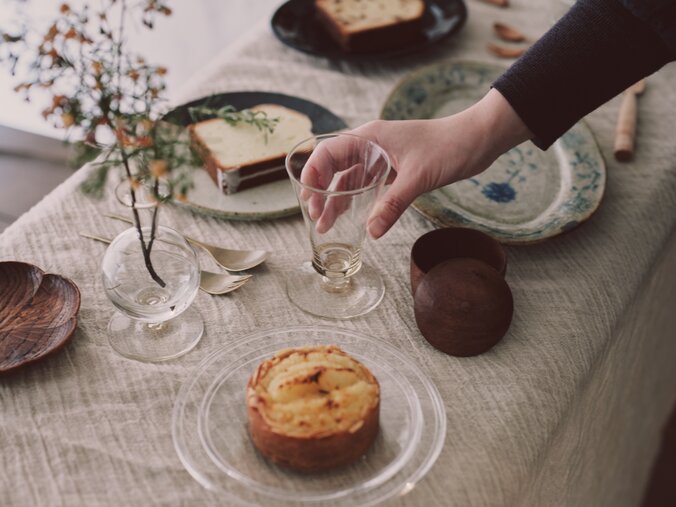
(295, 24)
(38, 313)
(527, 195)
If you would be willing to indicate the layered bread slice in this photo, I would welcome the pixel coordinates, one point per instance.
(241, 156)
(368, 25)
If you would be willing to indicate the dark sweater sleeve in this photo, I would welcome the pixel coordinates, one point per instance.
(594, 52)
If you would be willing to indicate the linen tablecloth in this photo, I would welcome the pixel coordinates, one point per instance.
(566, 410)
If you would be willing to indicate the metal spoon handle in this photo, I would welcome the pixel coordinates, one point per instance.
(95, 238)
(130, 221)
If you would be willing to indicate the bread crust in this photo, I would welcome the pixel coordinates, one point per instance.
(370, 39)
(311, 452)
(214, 166)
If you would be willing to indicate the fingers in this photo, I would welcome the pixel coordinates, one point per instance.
(336, 205)
(324, 161)
(391, 206)
(313, 178)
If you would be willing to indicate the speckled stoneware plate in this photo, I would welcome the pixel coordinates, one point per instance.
(295, 24)
(527, 195)
(272, 200)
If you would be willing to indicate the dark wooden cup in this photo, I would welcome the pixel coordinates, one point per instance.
(448, 243)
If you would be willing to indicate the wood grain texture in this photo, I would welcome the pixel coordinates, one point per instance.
(38, 313)
(439, 245)
(463, 307)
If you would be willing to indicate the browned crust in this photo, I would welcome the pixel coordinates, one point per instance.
(369, 39)
(213, 166)
(210, 163)
(263, 178)
(313, 454)
(332, 27)
(310, 453)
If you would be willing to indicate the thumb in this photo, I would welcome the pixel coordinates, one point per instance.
(390, 207)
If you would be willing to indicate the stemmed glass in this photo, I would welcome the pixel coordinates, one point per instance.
(152, 287)
(337, 179)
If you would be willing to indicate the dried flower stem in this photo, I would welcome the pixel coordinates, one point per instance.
(137, 223)
(98, 86)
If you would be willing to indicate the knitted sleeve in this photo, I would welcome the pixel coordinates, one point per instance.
(598, 49)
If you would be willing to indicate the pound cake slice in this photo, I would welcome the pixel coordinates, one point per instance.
(241, 156)
(313, 408)
(368, 25)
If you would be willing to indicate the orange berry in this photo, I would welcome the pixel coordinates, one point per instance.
(158, 168)
(68, 120)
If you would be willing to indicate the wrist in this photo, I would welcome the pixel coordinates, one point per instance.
(505, 128)
(497, 129)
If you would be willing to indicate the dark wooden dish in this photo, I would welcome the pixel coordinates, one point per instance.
(38, 313)
(463, 307)
(441, 245)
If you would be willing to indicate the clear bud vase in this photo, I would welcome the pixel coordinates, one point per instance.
(151, 275)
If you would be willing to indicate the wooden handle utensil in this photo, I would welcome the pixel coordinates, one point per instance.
(625, 132)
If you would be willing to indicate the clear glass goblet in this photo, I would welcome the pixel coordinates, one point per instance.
(337, 179)
(153, 321)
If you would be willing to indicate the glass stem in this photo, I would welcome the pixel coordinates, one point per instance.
(335, 285)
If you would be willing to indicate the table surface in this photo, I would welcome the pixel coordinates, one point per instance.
(88, 427)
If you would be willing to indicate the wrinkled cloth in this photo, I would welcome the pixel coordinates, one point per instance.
(565, 411)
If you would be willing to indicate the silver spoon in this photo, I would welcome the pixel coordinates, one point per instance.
(211, 283)
(232, 260)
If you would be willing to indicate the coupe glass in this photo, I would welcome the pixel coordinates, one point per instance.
(337, 179)
(153, 322)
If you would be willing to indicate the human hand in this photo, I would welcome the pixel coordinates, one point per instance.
(338, 173)
(425, 154)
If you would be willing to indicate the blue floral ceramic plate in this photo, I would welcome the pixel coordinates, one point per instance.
(527, 195)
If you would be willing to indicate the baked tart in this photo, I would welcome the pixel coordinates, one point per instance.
(313, 408)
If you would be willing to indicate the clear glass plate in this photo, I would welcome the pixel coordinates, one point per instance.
(210, 425)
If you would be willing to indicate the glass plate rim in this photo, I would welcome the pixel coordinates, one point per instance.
(391, 469)
(438, 424)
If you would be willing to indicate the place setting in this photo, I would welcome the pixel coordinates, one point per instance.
(325, 28)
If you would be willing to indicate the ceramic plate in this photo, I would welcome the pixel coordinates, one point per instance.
(209, 426)
(38, 313)
(273, 200)
(527, 195)
(295, 24)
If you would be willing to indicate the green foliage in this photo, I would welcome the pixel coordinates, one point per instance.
(232, 116)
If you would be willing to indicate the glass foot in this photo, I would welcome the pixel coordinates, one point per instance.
(155, 342)
(363, 292)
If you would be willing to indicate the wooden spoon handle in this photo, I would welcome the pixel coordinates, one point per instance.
(626, 128)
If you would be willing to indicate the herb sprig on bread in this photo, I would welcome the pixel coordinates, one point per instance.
(232, 117)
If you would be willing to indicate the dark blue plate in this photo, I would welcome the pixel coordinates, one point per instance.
(295, 24)
(323, 120)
